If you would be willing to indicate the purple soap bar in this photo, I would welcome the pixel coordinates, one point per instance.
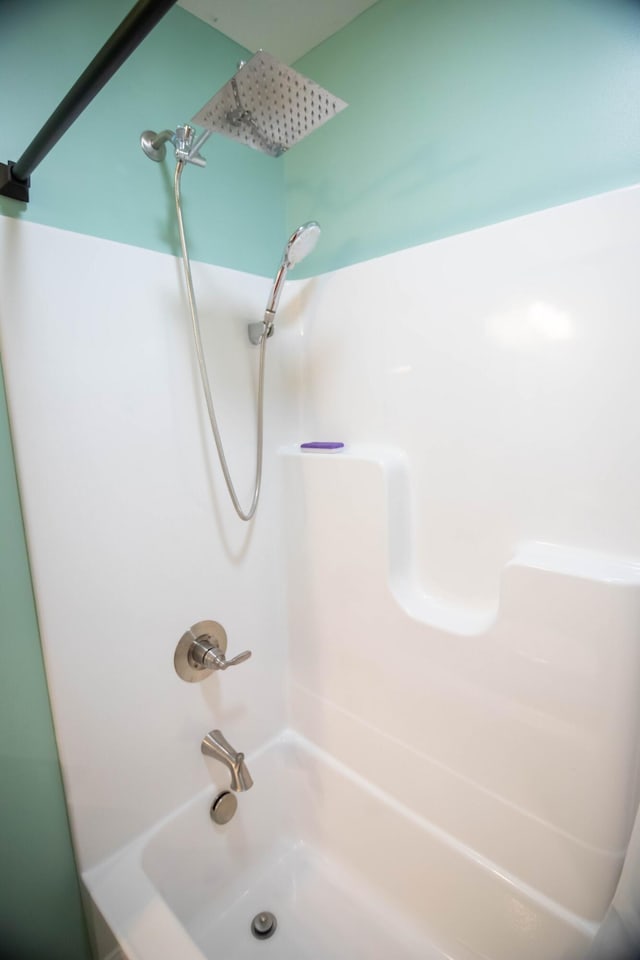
(322, 445)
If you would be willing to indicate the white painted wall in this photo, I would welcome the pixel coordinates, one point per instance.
(131, 535)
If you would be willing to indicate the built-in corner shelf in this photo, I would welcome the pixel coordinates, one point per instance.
(368, 486)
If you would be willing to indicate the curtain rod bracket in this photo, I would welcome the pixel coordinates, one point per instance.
(10, 186)
(120, 45)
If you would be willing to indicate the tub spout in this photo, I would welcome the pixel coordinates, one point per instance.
(215, 745)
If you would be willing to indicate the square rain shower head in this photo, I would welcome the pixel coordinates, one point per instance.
(268, 106)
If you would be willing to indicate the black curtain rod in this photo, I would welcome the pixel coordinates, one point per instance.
(15, 178)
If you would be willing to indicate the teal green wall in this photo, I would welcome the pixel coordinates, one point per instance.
(464, 113)
(40, 913)
(97, 179)
(461, 114)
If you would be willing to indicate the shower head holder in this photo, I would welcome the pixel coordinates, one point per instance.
(259, 329)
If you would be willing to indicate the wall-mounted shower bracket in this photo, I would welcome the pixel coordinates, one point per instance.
(202, 649)
(154, 144)
(258, 330)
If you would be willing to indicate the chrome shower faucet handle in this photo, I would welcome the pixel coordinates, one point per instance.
(202, 649)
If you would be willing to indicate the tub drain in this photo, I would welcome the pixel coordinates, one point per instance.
(263, 925)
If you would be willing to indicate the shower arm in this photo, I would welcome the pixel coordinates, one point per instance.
(182, 138)
(197, 143)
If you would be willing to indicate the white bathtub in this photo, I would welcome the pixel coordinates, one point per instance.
(347, 872)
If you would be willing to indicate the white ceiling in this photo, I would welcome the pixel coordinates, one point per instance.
(284, 28)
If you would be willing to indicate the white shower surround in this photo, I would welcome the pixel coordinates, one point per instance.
(131, 536)
(501, 364)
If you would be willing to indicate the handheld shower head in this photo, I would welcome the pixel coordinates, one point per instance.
(300, 244)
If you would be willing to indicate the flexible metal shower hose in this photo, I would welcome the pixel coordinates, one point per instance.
(197, 338)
